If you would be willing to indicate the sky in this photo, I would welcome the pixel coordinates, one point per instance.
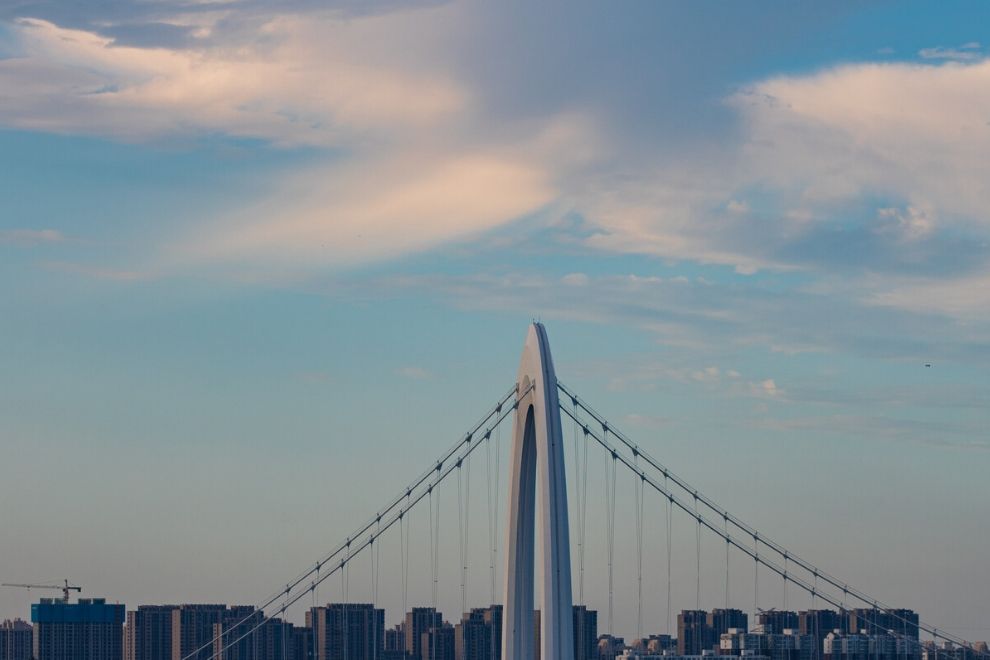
(259, 264)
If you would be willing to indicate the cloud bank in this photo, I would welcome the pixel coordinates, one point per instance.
(868, 177)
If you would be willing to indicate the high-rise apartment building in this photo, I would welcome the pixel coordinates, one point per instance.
(148, 633)
(250, 637)
(478, 636)
(818, 624)
(537, 635)
(395, 643)
(585, 623)
(89, 629)
(192, 629)
(348, 631)
(854, 646)
(878, 622)
(238, 633)
(786, 645)
(418, 621)
(16, 640)
(777, 621)
(721, 620)
(303, 644)
(437, 643)
(692, 632)
(493, 618)
(610, 646)
(176, 632)
(658, 644)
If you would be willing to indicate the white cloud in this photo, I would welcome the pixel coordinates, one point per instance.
(966, 298)
(650, 422)
(916, 132)
(418, 171)
(765, 388)
(360, 212)
(911, 223)
(421, 165)
(707, 375)
(300, 82)
(821, 149)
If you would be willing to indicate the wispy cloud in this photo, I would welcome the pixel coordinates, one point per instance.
(417, 166)
(966, 52)
(935, 434)
(800, 189)
(710, 318)
(314, 377)
(414, 373)
(854, 173)
(306, 82)
(95, 272)
(358, 212)
(30, 236)
(649, 422)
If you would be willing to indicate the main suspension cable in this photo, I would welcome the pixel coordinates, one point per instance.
(412, 497)
(296, 582)
(753, 552)
(744, 527)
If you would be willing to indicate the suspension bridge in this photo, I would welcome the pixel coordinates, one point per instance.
(539, 409)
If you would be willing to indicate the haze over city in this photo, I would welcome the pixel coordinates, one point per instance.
(261, 264)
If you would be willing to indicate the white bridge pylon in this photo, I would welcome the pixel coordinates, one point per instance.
(537, 472)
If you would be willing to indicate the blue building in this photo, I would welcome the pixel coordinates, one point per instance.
(86, 630)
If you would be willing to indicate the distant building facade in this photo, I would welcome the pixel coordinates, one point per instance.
(789, 644)
(777, 621)
(249, 636)
(629, 654)
(818, 624)
(395, 643)
(16, 640)
(303, 643)
(857, 646)
(610, 646)
(89, 629)
(585, 625)
(348, 631)
(192, 628)
(478, 636)
(419, 620)
(692, 632)
(721, 621)
(878, 622)
(148, 633)
(437, 643)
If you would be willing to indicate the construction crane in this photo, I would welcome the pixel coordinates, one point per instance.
(66, 588)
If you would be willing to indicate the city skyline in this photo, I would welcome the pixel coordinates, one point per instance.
(259, 265)
(358, 631)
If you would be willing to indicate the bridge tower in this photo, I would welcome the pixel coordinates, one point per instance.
(537, 474)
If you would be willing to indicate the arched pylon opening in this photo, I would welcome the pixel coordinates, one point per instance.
(537, 464)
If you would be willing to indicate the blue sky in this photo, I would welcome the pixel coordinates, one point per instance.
(230, 235)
